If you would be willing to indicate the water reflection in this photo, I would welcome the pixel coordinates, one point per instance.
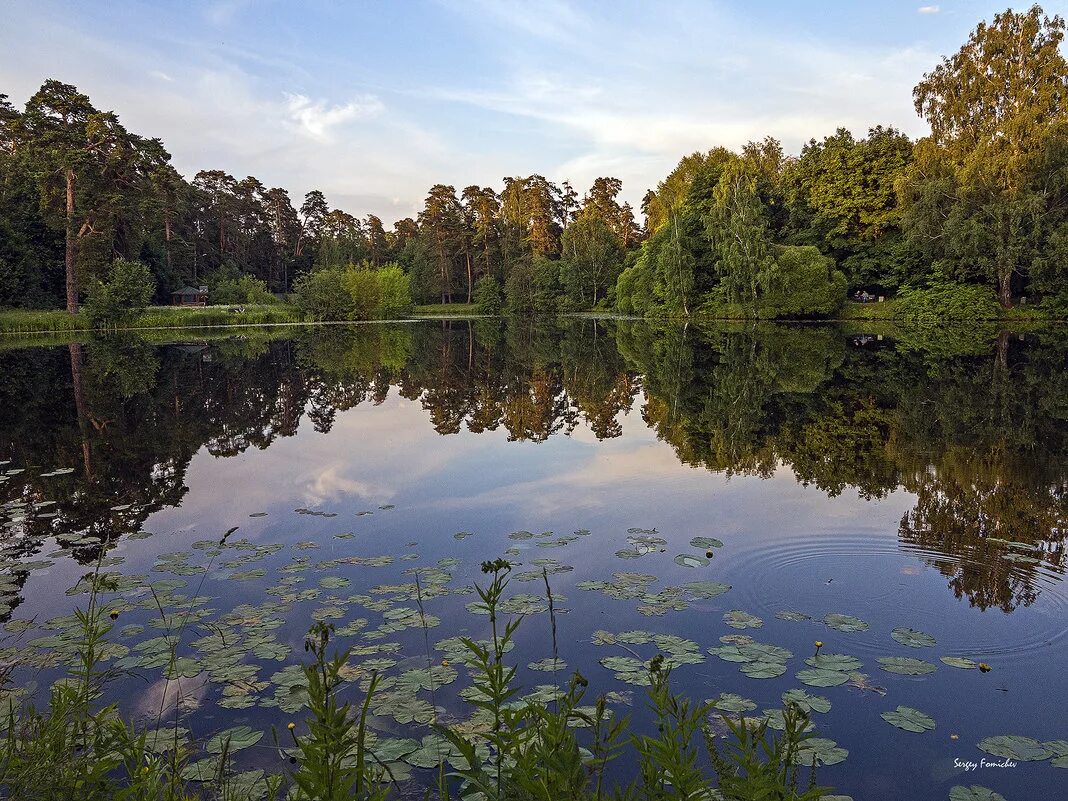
(978, 437)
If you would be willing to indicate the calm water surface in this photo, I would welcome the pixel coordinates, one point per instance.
(906, 483)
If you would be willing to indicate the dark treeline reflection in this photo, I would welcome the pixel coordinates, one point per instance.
(980, 439)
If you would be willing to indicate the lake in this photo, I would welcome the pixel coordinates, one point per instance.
(684, 490)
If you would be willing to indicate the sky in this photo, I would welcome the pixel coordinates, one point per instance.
(373, 102)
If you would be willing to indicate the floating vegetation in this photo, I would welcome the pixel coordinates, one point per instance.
(689, 560)
(738, 619)
(731, 702)
(1012, 746)
(705, 543)
(796, 617)
(906, 666)
(909, 719)
(961, 662)
(846, 623)
(819, 751)
(974, 793)
(807, 702)
(758, 660)
(912, 638)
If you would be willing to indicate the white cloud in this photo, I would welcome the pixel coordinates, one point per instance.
(161, 76)
(316, 118)
(928, 10)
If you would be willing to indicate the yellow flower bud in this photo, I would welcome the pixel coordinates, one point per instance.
(291, 725)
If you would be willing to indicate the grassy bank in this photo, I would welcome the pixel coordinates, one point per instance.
(447, 310)
(32, 321)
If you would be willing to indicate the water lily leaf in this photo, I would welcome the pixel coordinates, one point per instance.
(763, 670)
(704, 543)
(391, 749)
(240, 737)
(203, 770)
(909, 719)
(822, 677)
(776, 720)
(333, 582)
(548, 665)
(961, 662)
(906, 666)
(912, 638)
(821, 750)
(731, 702)
(974, 793)
(689, 560)
(843, 662)
(845, 622)
(796, 617)
(807, 702)
(1059, 748)
(705, 590)
(738, 619)
(1020, 749)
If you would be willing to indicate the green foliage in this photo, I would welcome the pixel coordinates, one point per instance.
(760, 765)
(395, 291)
(804, 283)
(333, 760)
(489, 296)
(532, 287)
(245, 289)
(592, 260)
(356, 292)
(120, 299)
(942, 303)
(324, 295)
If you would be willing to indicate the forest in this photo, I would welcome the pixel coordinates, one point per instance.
(970, 221)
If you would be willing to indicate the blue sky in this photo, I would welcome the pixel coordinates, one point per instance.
(373, 102)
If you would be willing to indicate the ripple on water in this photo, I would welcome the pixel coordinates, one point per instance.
(808, 575)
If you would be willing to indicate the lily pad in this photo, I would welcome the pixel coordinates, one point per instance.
(1012, 746)
(763, 669)
(704, 543)
(912, 638)
(807, 702)
(737, 619)
(240, 737)
(731, 702)
(689, 560)
(909, 719)
(843, 662)
(846, 623)
(821, 750)
(822, 677)
(974, 793)
(961, 662)
(906, 666)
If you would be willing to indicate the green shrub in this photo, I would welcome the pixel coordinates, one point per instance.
(804, 283)
(245, 289)
(356, 292)
(395, 288)
(942, 303)
(324, 295)
(119, 300)
(488, 295)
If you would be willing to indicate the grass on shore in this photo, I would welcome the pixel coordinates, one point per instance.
(446, 310)
(30, 321)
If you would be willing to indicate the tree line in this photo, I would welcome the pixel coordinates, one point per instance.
(978, 210)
